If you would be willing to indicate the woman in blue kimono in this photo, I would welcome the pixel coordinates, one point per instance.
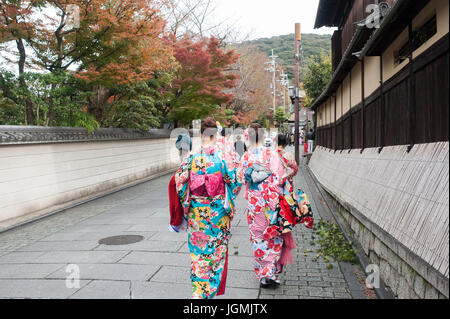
(207, 189)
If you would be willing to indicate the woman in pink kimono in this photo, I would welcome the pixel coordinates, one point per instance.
(289, 165)
(226, 146)
(260, 167)
(207, 189)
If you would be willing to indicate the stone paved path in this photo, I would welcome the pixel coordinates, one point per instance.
(34, 258)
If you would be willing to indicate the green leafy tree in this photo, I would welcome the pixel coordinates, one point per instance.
(313, 45)
(280, 116)
(57, 99)
(317, 78)
(138, 105)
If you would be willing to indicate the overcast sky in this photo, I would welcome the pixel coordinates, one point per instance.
(267, 18)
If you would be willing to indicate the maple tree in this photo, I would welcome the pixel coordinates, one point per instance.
(16, 26)
(200, 83)
(117, 52)
(137, 105)
(107, 43)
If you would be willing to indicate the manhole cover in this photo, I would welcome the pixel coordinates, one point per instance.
(121, 240)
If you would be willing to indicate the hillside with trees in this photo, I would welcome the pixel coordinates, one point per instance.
(313, 45)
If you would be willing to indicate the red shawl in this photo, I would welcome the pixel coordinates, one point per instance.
(176, 209)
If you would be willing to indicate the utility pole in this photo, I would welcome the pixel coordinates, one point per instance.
(284, 84)
(273, 69)
(298, 38)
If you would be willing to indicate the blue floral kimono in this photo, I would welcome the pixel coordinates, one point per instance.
(207, 189)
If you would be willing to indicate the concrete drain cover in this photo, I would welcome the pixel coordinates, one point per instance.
(121, 240)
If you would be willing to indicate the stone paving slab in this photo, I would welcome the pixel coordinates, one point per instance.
(160, 290)
(242, 279)
(147, 228)
(146, 245)
(61, 246)
(37, 288)
(240, 293)
(96, 228)
(92, 236)
(240, 262)
(28, 271)
(120, 272)
(18, 257)
(81, 257)
(101, 289)
(156, 258)
(173, 274)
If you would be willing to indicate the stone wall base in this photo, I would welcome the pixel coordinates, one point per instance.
(399, 277)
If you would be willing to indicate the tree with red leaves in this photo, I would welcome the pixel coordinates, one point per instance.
(200, 83)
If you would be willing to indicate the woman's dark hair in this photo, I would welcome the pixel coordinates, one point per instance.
(208, 123)
(253, 132)
(282, 140)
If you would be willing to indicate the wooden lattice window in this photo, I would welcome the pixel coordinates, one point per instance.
(421, 35)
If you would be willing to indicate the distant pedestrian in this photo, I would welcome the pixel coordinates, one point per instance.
(225, 145)
(240, 146)
(287, 159)
(310, 136)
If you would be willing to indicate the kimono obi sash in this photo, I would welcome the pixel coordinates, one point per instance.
(208, 185)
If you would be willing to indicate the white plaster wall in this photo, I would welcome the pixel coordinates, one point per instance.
(36, 179)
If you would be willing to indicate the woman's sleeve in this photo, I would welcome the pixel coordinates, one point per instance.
(182, 178)
(233, 184)
(292, 164)
(232, 178)
(242, 167)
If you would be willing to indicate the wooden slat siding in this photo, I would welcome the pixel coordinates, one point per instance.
(342, 117)
(336, 48)
(357, 13)
(391, 125)
(405, 194)
(382, 107)
(339, 126)
(363, 108)
(347, 132)
(350, 112)
(335, 124)
(396, 115)
(373, 119)
(411, 90)
(329, 135)
(356, 127)
(432, 101)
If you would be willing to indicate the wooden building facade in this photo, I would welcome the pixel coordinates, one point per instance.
(382, 132)
(397, 92)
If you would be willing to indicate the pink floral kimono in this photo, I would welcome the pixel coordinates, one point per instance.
(228, 152)
(267, 244)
